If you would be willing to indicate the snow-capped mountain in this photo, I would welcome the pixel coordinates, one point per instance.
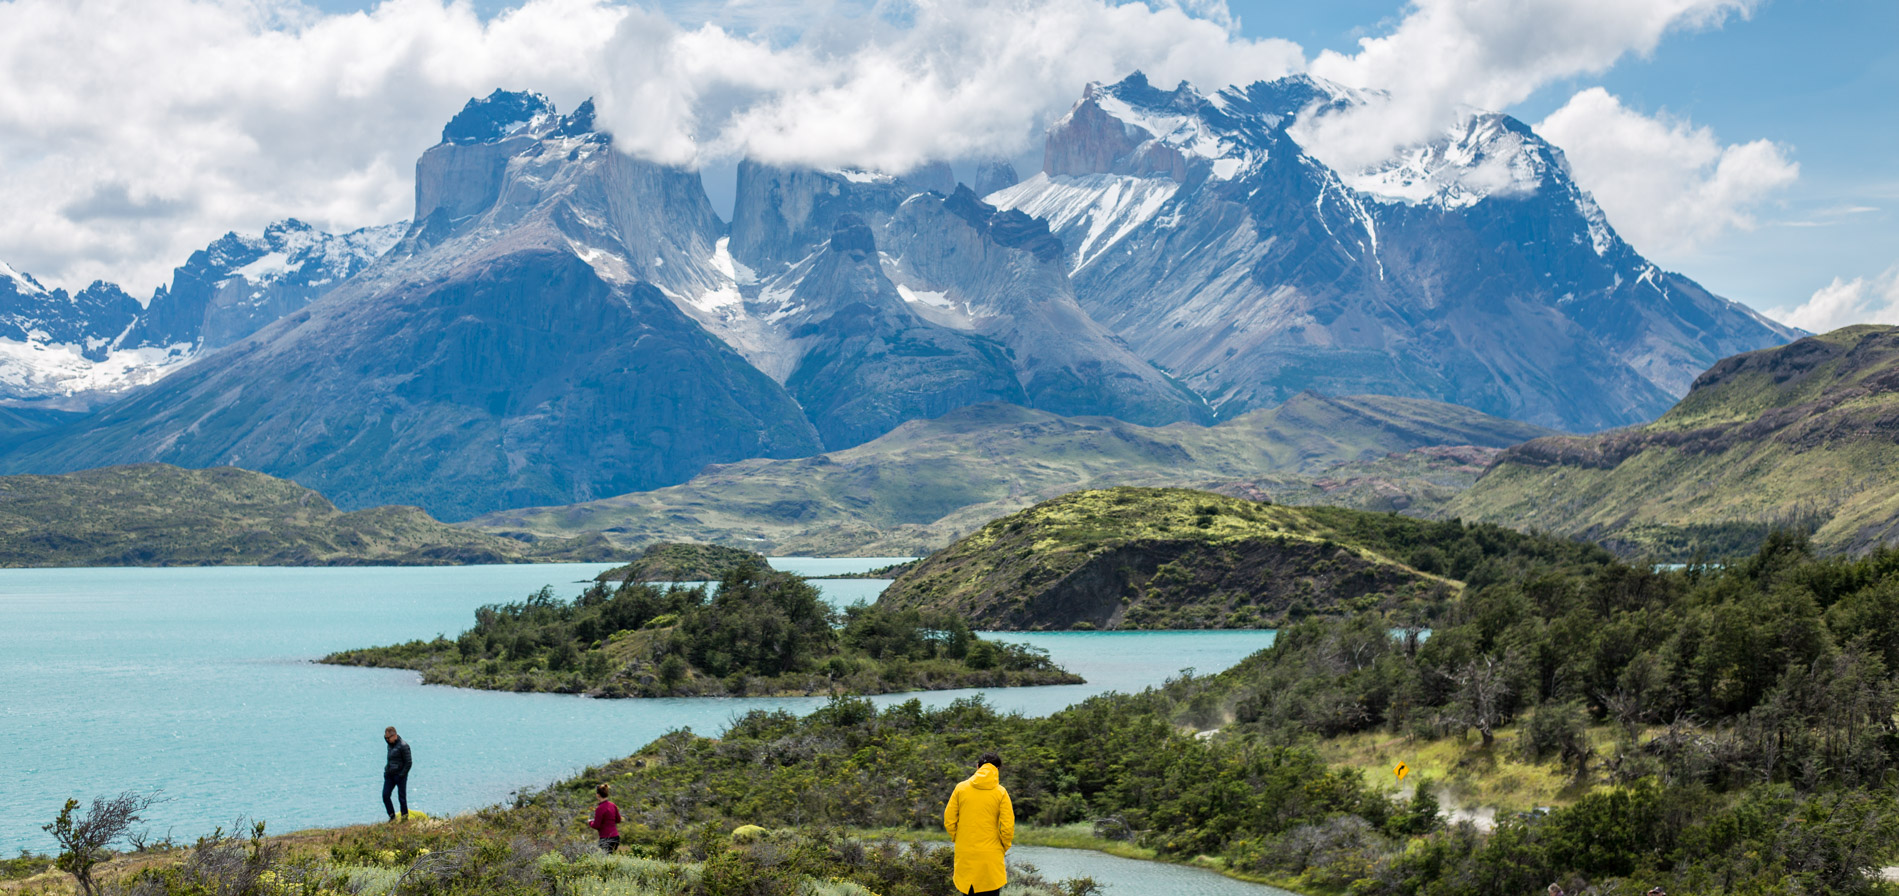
(518, 345)
(933, 275)
(1470, 269)
(562, 321)
(79, 350)
(233, 287)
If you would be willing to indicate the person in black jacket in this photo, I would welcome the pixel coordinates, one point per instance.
(395, 773)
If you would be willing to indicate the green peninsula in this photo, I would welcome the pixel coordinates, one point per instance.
(1178, 558)
(758, 633)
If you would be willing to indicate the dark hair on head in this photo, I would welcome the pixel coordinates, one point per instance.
(990, 758)
(602, 790)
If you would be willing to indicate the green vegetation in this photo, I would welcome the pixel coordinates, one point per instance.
(1710, 730)
(161, 515)
(677, 561)
(928, 482)
(1175, 558)
(760, 633)
(538, 847)
(1799, 437)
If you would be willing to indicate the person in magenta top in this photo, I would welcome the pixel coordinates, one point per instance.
(606, 820)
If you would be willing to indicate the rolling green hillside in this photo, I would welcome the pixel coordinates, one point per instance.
(923, 485)
(1803, 436)
(161, 515)
(1178, 558)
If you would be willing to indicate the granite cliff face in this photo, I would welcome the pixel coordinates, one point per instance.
(1470, 269)
(966, 279)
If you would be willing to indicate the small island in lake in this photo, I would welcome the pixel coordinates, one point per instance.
(683, 561)
(758, 633)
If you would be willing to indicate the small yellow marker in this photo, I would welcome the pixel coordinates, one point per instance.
(1401, 771)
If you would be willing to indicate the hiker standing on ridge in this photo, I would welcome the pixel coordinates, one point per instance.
(606, 820)
(981, 824)
(395, 773)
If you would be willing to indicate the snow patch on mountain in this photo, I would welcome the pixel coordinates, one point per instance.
(1476, 159)
(1187, 133)
(24, 284)
(1109, 206)
(36, 371)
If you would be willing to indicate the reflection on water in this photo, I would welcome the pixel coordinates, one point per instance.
(199, 683)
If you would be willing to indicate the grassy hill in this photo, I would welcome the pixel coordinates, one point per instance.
(931, 481)
(1177, 558)
(161, 515)
(1803, 436)
(678, 561)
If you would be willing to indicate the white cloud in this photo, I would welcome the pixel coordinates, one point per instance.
(1860, 300)
(1668, 187)
(941, 80)
(1445, 55)
(133, 132)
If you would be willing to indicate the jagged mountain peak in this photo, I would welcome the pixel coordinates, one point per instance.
(497, 116)
(21, 282)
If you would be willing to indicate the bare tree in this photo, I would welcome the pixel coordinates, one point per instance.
(1482, 690)
(87, 841)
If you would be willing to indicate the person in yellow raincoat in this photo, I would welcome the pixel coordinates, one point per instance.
(981, 823)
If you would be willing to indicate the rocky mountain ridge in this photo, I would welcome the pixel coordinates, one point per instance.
(82, 350)
(1471, 269)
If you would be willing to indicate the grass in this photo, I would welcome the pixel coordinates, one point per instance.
(1465, 774)
(1825, 462)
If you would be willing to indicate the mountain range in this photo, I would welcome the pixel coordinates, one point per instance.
(561, 322)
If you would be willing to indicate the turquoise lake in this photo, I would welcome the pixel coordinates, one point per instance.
(200, 683)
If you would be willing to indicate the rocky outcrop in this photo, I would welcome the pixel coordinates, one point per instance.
(870, 362)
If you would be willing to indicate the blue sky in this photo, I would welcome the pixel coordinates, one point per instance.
(1821, 79)
(1747, 143)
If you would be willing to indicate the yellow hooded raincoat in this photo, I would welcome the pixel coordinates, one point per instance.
(981, 823)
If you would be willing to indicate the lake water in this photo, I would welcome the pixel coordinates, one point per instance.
(1133, 877)
(200, 683)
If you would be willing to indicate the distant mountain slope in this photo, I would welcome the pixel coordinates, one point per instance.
(1470, 269)
(928, 482)
(1806, 435)
(159, 515)
(1178, 558)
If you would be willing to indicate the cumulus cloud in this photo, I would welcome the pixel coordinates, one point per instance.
(135, 131)
(1861, 300)
(1668, 186)
(1446, 55)
(896, 86)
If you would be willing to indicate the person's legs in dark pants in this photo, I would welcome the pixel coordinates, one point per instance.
(401, 788)
(975, 892)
